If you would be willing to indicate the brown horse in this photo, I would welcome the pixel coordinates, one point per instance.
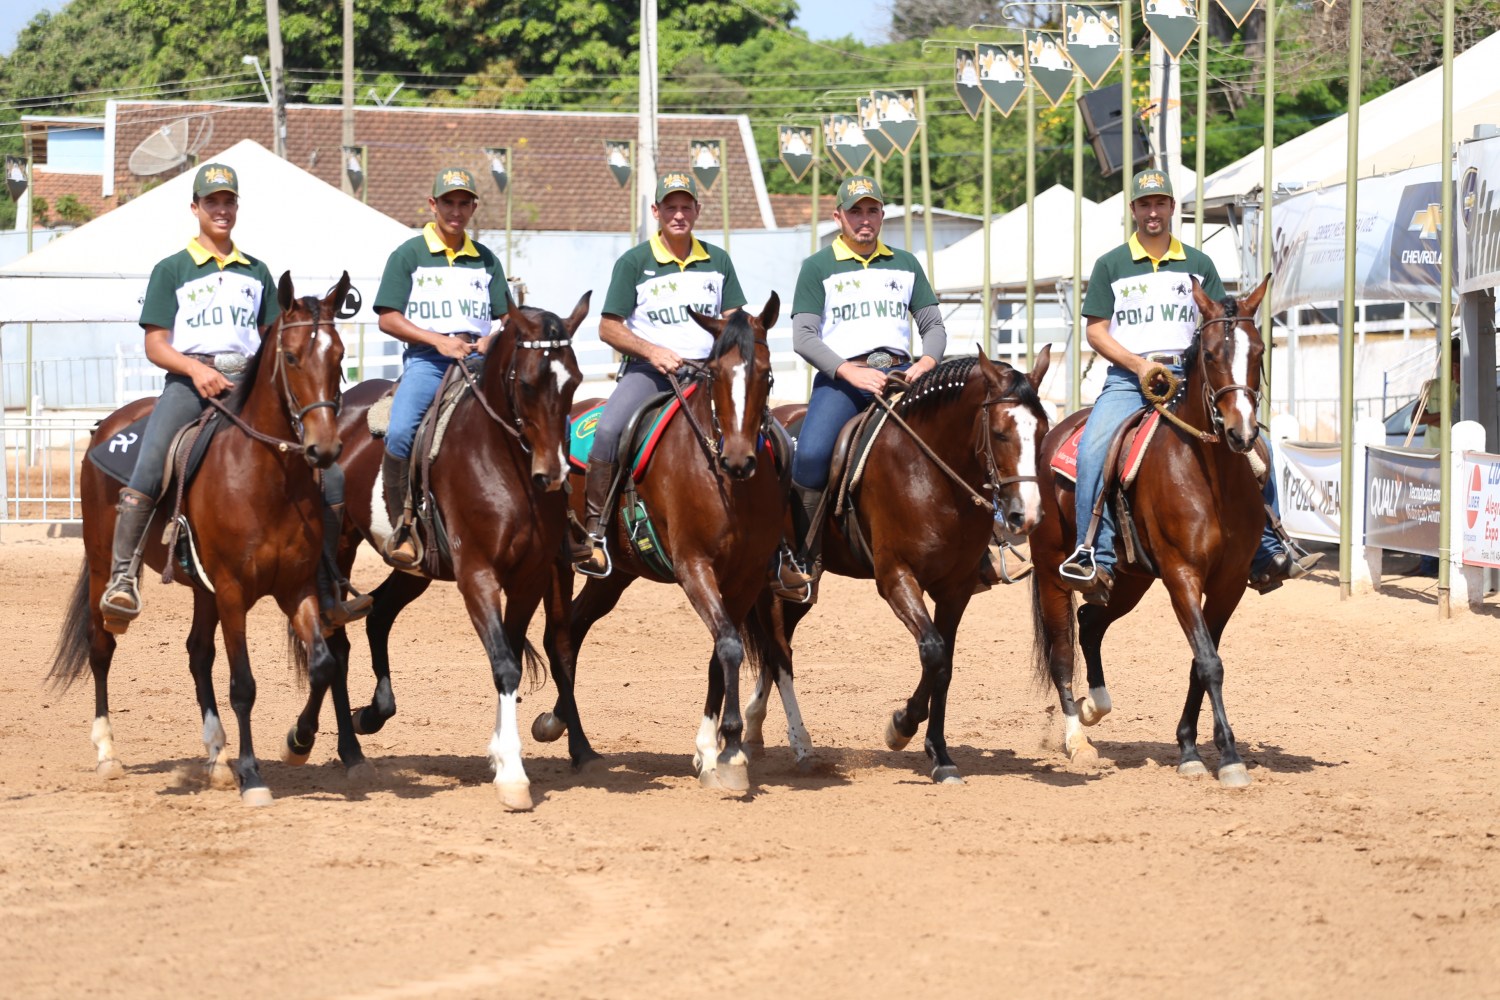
(256, 515)
(972, 426)
(497, 483)
(716, 504)
(1198, 512)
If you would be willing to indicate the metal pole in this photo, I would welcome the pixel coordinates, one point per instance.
(1127, 114)
(278, 76)
(1267, 196)
(1075, 347)
(926, 183)
(1445, 323)
(635, 203)
(1347, 486)
(645, 177)
(724, 188)
(1199, 163)
(813, 224)
(987, 335)
(348, 113)
(1030, 223)
(906, 199)
(30, 220)
(510, 183)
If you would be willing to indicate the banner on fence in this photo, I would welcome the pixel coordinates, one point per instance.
(1481, 546)
(1478, 216)
(1401, 501)
(1307, 482)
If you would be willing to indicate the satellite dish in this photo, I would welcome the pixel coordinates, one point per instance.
(171, 145)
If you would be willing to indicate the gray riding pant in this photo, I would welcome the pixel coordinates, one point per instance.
(639, 383)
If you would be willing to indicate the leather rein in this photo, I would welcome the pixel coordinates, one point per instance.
(1160, 401)
(705, 373)
(295, 409)
(513, 426)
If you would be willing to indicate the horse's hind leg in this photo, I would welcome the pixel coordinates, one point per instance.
(1093, 622)
(394, 593)
(200, 649)
(562, 662)
(770, 624)
(597, 599)
(253, 790)
(904, 595)
(101, 654)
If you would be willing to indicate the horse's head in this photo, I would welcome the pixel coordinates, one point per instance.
(1229, 349)
(739, 370)
(308, 367)
(1011, 429)
(540, 376)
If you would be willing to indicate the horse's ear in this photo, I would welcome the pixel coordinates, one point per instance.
(334, 300)
(709, 323)
(771, 312)
(1039, 368)
(285, 294)
(1207, 307)
(580, 311)
(1250, 303)
(516, 321)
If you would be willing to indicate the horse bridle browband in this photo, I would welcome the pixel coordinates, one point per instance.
(513, 426)
(294, 408)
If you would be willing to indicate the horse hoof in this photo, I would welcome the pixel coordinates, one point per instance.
(358, 718)
(547, 728)
(590, 766)
(362, 774)
(1234, 776)
(1081, 752)
(709, 778)
(290, 755)
(947, 775)
(894, 738)
(515, 796)
(806, 764)
(110, 769)
(256, 797)
(1192, 769)
(734, 777)
(754, 745)
(220, 776)
(1090, 713)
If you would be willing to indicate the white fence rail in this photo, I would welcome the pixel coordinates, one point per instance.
(39, 475)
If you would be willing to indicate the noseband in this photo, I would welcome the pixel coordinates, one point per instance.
(1211, 400)
(295, 410)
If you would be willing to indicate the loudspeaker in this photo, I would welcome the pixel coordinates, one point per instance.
(1101, 123)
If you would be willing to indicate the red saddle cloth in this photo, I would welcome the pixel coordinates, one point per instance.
(1065, 461)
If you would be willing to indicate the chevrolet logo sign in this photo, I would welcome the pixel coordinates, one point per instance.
(1428, 221)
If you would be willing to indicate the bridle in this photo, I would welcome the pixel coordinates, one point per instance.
(514, 425)
(1161, 400)
(704, 375)
(1216, 419)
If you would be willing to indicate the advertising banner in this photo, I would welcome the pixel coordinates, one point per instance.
(1307, 484)
(707, 156)
(1048, 65)
(846, 143)
(1173, 22)
(966, 81)
(794, 143)
(1092, 38)
(1002, 75)
(896, 115)
(1401, 500)
(869, 121)
(618, 155)
(1481, 500)
(1478, 216)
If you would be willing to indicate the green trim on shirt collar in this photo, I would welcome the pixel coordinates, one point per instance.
(1138, 252)
(842, 251)
(436, 245)
(202, 255)
(664, 255)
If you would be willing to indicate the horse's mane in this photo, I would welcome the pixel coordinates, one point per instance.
(737, 333)
(945, 382)
(235, 401)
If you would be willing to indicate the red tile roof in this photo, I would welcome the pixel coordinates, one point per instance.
(796, 209)
(85, 187)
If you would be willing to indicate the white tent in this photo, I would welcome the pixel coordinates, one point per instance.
(961, 266)
(288, 218)
(1398, 129)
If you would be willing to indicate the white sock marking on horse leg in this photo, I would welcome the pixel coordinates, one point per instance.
(1240, 366)
(738, 389)
(103, 736)
(707, 743)
(796, 732)
(505, 745)
(213, 736)
(755, 711)
(1072, 730)
(1031, 494)
(1100, 695)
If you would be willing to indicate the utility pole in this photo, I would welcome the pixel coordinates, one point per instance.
(349, 93)
(278, 76)
(645, 142)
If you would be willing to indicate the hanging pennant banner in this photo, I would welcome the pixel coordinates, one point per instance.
(707, 158)
(1002, 75)
(966, 81)
(896, 110)
(617, 154)
(846, 143)
(1238, 10)
(1048, 65)
(1092, 40)
(1173, 22)
(869, 121)
(796, 145)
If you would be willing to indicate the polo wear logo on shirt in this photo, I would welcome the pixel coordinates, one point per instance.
(851, 283)
(422, 280)
(1180, 289)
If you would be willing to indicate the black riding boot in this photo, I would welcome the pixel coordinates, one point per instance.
(400, 549)
(121, 602)
(796, 579)
(594, 561)
(333, 609)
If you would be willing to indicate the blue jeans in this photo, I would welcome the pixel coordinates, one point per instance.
(833, 404)
(1120, 397)
(420, 378)
(639, 383)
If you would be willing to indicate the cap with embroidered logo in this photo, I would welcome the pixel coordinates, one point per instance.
(857, 188)
(213, 177)
(454, 179)
(677, 180)
(1149, 182)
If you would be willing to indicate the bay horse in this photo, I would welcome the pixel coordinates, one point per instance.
(972, 426)
(1198, 513)
(497, 483)
(256, 513)
(716, 502)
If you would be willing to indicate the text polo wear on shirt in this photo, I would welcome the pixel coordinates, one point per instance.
(211, 306)
(441, 289)
(1149, 303)
(652, 291)
(866, 303)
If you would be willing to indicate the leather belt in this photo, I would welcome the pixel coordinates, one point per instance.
(1170, 360)
(882, 358)
(467, 338)
(227, 362)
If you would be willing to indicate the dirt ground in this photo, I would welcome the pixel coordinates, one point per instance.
(1364, 860)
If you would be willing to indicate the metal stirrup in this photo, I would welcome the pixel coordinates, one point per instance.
(1073, 560)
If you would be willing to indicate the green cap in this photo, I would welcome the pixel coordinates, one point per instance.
(215, 177)
(1149, 182)
(454, 179)
(857, 188)
(677, 180)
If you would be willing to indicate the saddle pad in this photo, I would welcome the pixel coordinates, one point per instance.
(581, 435)
(1065, 460)
(116, 457)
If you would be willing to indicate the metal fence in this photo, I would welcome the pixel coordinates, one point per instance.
(39, 475)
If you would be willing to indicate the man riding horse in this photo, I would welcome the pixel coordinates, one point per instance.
(1141, 316)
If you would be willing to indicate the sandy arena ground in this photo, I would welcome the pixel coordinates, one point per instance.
(1364, 861)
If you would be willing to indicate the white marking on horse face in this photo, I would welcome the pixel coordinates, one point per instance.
(738, 390)
(1031, 494)
(560, 374)
(1239, 367)
(562, 459)
(505, 744)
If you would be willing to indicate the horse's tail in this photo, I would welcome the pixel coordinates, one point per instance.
(532, 666)
(1041, 643)
(72, 653)
(760, 648)
(296, 656)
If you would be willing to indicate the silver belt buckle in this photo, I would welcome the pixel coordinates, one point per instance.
(880, 359)
(231, 363)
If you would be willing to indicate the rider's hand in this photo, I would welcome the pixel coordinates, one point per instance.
(209, 381)
(663, 359)
(918, 368)
(862, 377)
(454, 347)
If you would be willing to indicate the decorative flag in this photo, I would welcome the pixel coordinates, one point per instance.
(869, 122)
(1091, 36)
(966, 81)
(1173, 22)
(617, 154)
(1002, 75)
(707, 157)
(1048, 65)
(846, 143)
(796, 145)
(896, 111)
(1238, 10)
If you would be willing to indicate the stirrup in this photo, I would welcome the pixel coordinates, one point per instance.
(791, 582)
(1073, 567)
(586, 567)
(398, 535)
(117, 619)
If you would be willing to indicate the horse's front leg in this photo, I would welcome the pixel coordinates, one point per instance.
(231, 607)
(1203, 634)
(770, 625)
(562, 661)
(200, 649)
(325, 671)
(394, 593)
(481, 593)
(730, 765)
(902, 592)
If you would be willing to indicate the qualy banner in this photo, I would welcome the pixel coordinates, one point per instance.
(1481, 545)
(1401, 500)
(1307, 486)
(1397, 242)
(1478, 216)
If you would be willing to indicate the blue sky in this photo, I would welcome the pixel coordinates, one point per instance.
(864, 19)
